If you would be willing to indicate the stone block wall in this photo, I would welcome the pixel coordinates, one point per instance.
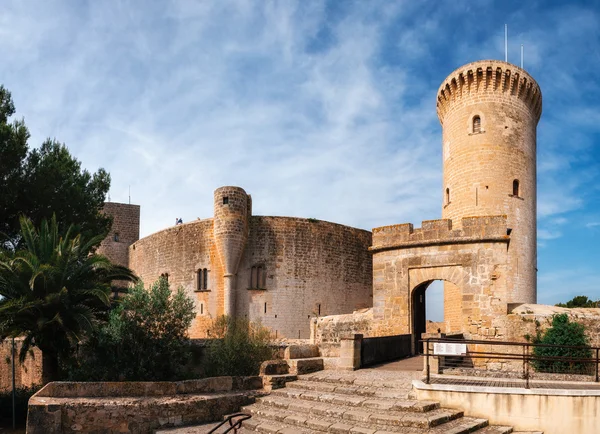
(26, 375)
(482, 162)
(312, 268)
(138, 407)
(124, 232)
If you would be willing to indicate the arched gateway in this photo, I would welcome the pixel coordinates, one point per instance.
(472, 261)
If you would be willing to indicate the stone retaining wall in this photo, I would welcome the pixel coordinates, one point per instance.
(136, 407)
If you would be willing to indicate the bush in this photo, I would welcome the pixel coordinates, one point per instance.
(145, 338)
(567, 333)
(238, 347)
(22, 396)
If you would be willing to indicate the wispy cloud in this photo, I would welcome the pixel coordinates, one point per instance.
(321, 109)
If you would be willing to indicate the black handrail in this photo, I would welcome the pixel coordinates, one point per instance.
(527, 357)
(232, 425)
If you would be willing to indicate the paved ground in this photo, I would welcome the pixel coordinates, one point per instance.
(408, 364)
(511, 382)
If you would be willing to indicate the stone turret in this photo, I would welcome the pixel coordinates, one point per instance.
(489, 111)
(232, 208)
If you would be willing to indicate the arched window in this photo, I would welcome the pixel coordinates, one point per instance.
(516, 188)
(202, 279)
(476, 124)
(447, 196)
(257, 277)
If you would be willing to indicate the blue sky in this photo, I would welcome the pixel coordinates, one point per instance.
(318, 109)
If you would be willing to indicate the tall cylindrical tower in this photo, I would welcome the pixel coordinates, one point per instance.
(489, 112)
(232, 211)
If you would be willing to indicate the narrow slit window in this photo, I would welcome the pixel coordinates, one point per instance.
(225, 200)
(205, 279)
(516, 188)
(447, 196)
(165, 276)
(265, 307)
(201, 308)
(476, 124)
(319, 309)
(116, 237)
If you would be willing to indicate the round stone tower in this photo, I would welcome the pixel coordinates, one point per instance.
(232, 211)
(489, 111)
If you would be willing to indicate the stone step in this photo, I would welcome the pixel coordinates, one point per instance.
(306, 366)
(373, 404)
(366, 418)
(271, 382)
(346, 389)
(341, 378)
(376, 403)
(302, 351)
(258, 424)
(495, 429)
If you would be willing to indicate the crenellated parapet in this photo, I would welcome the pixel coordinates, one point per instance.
(440, 232)
(489, 78)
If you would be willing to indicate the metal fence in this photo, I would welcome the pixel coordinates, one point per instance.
(384, 349)
(517, 360)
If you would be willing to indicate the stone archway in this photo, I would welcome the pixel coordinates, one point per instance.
(419, 280)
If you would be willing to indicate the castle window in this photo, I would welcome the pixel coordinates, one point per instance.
(202, 279)
(225, 200)
(116, 237)
(476, 124)
(165, 276)
(516, 188)
(201, 308)
(257, 277)
(447, 196)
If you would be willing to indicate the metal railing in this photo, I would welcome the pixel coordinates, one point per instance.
(384, 349)
(516, 360)
(233, 425)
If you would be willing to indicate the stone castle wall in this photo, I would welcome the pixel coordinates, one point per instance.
(481, 164)
(26, 375)
(124, 232)
(180, 251)
(308, 265)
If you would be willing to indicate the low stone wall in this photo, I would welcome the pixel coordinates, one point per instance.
(328, 331)
(26, 375)
(136, 407)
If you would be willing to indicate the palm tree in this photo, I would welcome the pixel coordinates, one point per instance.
(54, 291)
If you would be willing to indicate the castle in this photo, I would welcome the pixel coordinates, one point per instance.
(285, 271)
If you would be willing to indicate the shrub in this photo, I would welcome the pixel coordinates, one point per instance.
(145, 338)
(567, 333)
(22, 396)
(238, 347)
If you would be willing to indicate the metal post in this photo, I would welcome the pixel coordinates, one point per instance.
(527, 364)
(427, 357)
(14, 418)
(597, 361)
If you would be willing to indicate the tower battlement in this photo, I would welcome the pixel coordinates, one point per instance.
(491, 78)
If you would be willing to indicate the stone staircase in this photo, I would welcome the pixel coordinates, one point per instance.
(342, 404)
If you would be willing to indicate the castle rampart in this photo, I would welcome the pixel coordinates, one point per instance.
(290, 269)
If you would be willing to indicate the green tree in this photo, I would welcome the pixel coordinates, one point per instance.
(565, 333)
(145, 339)
(579, 301)
(44, 182)
(54, 291)
(238, 347)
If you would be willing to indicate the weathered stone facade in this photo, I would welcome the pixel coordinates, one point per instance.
(27, 374)
(484, 248)
(280, 271)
